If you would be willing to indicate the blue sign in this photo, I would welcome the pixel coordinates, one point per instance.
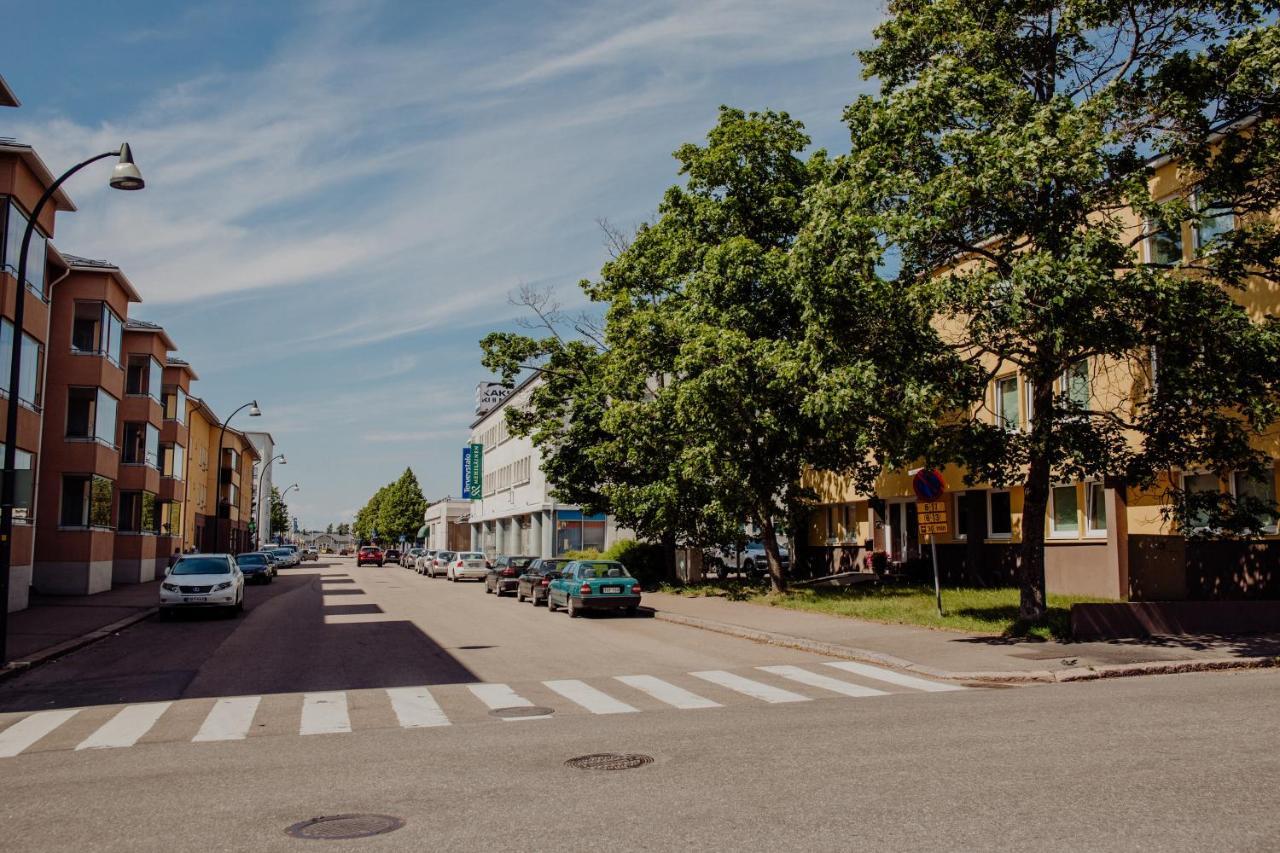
(466, 473)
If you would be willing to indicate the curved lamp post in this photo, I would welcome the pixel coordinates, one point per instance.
(125, 176)
(254, 412)
(289, 489)
(257, 537)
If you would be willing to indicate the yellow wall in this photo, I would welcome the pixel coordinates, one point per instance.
(200, 473)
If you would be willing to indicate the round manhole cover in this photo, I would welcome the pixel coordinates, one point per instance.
(339, 826)
(610, 761)
(522, 712)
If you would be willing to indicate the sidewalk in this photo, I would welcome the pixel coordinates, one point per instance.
(55, 624)
(959, 656)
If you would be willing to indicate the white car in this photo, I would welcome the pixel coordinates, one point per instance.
(202, 580)
(467, 564)
(439, 560)
(423, 561)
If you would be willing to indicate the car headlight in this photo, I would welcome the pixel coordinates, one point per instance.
(220, 586)
(169, 587)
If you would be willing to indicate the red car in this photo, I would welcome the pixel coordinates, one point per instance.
(369, 554)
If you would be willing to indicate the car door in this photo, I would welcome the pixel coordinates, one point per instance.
(556, 590)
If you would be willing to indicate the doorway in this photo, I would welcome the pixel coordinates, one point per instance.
(903, 532)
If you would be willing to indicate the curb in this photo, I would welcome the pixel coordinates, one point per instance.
(35, 659)
(1038, 676)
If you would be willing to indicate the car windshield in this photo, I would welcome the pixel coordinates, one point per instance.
(201, 566)
(251, 560)
(445, 555)
(471, 555)
(282, 552)
(602, 570)
(521, 562)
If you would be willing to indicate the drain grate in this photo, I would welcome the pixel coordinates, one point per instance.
(610, 761)
(340, 826)
(515, 713)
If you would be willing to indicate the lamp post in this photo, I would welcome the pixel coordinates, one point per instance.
(257, 538)
(125, 176)
(254, 412)
(289, 489)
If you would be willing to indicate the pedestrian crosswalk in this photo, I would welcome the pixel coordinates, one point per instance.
(339, 712)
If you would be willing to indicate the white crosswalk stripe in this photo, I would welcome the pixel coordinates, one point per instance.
(415, 708)
(826, 682)
(891, 677)
(325, 713)
(126, 727)
(229, 719)
(498, 696)
(595, 701)
(665, 691)
(754, 689)
(27, 731)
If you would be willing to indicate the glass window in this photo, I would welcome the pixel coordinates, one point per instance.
(153, 446)
(1261, 489)
(568, 536)
(36, 254)
(593, 535)
(155, 380)
(1165, 247)
(133, 444)
(1199, 484)
(151, 518)
(24, 484)
(105, 418)
(1215, 219)
(139, 371)
(1075, 384)
(14, 225)
(198, 565)
(962, 515)
(170, 518)
(130, 515)
(1064, 518)
(999, 515)
(1096, 509)
(86, 327)
(30, 384)
(175, 403)
(172, 459)
(86, 501)
(1007, 402)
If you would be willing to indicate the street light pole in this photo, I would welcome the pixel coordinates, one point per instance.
(289, 489)
(257, 533)
(125, 176)
(254, 412)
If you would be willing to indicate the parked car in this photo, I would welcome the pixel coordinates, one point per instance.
(505, 573)
(310, 554)
(202, 581)
(423, 560)
(370, 554)
(410, 557)
(287, 556)
(466, 564)
(440, 562)
(537, 577)
(272, 560)
(255, 566)
(752, 558)
(593, 585)
(296, 552)
(391, 555)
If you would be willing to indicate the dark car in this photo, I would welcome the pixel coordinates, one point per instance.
(255, 567)
(370, 554)
(505, 573)
(391, 555)
(536, 578)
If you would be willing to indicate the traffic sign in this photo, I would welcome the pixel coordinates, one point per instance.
(928, 484)
(932, 517)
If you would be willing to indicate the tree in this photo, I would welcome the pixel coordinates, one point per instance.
(279, 512)
(328, 528)
(366, 524)
(401, 509)
(344, 529)
(1001, 158)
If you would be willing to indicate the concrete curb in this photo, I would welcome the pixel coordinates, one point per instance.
(31, 661)
(1037, 676)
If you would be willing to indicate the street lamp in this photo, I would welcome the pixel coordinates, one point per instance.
(285, 492)
(125, 176)
(254, 412)
(257, 539)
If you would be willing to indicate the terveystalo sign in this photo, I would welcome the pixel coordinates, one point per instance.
(466, 473)
(488, 395)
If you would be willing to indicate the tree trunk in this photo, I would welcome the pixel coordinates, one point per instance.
(1033, 601)
(669, 557)
(769, 536)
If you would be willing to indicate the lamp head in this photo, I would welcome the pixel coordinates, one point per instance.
(126, 175)
(283, 461)
(254, 411)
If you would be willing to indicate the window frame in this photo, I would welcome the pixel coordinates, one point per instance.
(998, 400)
(1196, 242)
(1199, 472)
(991, 532)
(957, 500)
(1054, 532)
(1271, 529)
(1150, 231)
(1091, 532)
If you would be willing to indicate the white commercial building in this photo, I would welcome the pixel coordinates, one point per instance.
(266, 447)
(444, 526)
(514, 512)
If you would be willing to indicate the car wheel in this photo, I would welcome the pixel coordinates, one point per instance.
(487, 591)
(551, 605)
(572, 608)
(519, 596)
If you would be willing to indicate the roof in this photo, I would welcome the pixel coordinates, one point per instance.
(97, 265)
(33, 162)
(148, 328)
(182, 364)
(248, 448)
(201, 406)
(7, 97)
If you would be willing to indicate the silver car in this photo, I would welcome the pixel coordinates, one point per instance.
(466, 564)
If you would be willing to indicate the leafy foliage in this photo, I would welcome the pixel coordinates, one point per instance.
(279, 513)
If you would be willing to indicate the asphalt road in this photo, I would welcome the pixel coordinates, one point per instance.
(1167, 763)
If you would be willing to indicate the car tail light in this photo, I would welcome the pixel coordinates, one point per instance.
(585, 589)
(546, 581)
(459, 564)
(635, 590)
(508, 573)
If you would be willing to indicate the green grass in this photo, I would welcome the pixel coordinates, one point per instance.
(986, 611)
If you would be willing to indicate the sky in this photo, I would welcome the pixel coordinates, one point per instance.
(342, 195)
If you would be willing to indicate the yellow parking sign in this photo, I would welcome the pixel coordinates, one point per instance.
(932, 517)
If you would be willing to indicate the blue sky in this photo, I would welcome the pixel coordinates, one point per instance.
(342, 195)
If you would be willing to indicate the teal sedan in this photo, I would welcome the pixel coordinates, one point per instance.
(593, 585)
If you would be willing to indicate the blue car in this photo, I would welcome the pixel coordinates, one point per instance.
(256, 567)
(593, 585)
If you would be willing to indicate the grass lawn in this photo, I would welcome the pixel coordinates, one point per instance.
(990, 611)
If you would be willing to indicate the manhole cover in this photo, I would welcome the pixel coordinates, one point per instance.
(341, 826)
(610, 761)
(522, 712)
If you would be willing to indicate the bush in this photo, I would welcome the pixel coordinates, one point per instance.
(644, 560)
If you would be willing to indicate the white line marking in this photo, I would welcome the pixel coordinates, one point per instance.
(415, 708)
(229, 719)
(665, 692)
(126, 727)
(826, 682)
(754, 689)
(501, 696)
(27, 731)
(595, 701)
(324, 713)
(892, 677)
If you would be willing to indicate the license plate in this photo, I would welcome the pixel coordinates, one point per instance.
(610, 589)
(196, 599)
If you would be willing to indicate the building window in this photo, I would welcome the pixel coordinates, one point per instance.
(1164, 246)
(24, 484)
(139, 513)
(144, 376)
(961, 515)
(170, 518)
(1075, 385)
(999, 514)
(1213, 220)
(1007, 402)
(1095, 515)
(174, 403)
(1260, 489)
(30, 384)
(97, 330)
(14, 227)
(1199, 484)
(1064, 512)
(141, 445)
(91, 414)
(86, 501)
(172, 457)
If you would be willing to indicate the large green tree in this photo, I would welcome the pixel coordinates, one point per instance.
(999, 160)
(401, 509)
(366, 523)
(279, 513)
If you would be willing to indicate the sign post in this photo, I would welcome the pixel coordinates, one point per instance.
(931, 515)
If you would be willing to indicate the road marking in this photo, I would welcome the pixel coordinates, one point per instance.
(126, 727)
(229, 719)
(826, 682)
(892, 677)
(754, 689)
(498, 696)
(324, 713)
(415, 708)
(26, 732)
(666, 692)
(595, 701)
